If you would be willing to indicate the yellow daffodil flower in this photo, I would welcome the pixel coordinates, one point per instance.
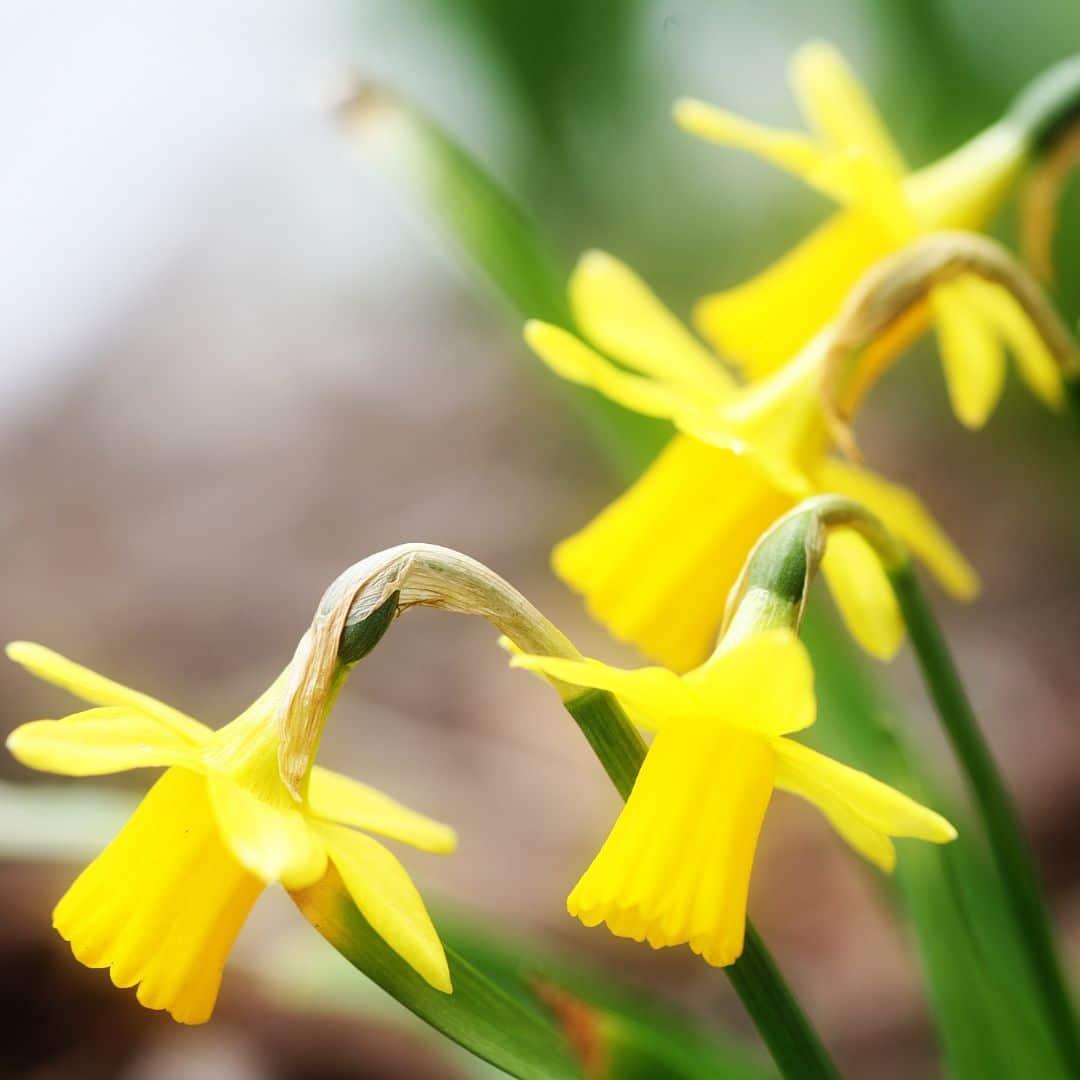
(161, 906)
(850, 157)
(675, 868)
(657, 565)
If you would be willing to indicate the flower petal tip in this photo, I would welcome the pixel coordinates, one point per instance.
(19, 651)
(595, 259)
(534, 331)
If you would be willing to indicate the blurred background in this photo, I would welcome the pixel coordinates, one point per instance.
(233, 365)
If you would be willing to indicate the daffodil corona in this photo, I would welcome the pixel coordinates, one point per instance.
(676, 867)
(657, 565)
(850, 157)
(161, 906)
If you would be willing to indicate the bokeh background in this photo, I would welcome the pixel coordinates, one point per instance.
(233, 364)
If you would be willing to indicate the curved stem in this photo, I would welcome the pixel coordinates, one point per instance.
(1008, 846)
(357, 610)
(896, 289)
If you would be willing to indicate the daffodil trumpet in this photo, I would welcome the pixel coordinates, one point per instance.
(425, 575)
(848, 155)
(161, 906)
(780, 570)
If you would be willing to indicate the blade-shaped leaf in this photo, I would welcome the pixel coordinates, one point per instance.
(503, 1029)
(497, 242)
(978, 983)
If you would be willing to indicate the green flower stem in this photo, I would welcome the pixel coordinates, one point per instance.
(776, 1013)
(1048, 104)
(1072, 402)
(1009, 849)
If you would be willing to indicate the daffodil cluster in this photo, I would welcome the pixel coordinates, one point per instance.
(657, 565)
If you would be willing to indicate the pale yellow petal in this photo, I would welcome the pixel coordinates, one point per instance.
(863, 594)
(619, 314)
(792, 151)
(98, 741)
(964, 189)
(865, 811)
(971, 354)
(838, 108)
(575, 361)
(764, 684)
(764, 322)
(676, 866)
(386, 896)
(94, 688)
(341, 799)
(1001, 311)
(163, 903)
(904, 514)
(273, 843)
(656, 566)
(653, 694)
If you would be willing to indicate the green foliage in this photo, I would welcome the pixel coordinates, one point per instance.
(505, 1029)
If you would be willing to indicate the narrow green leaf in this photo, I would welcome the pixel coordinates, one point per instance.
(493, 238)
(980, 988)
(641, 1038)
(500, 244)
(504, 1030)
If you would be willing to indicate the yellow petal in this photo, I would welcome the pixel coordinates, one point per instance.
(338, 798)
(275, 843)
(386, 896)
(99, 741)
(675, 868)
(1001, 311)
(904, 514)
(863, 594)
(764, 322)
(965, 189)
(971, 354)
(652, 694)
(764, 684)
(618, 312)
(576, 362)
(163, 903)
(656, 566)
(865, 811)
(796, 153)
(86, 684)
(837, 107)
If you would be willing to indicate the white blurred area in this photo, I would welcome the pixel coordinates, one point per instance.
(233, 366)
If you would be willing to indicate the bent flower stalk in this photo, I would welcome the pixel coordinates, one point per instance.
(161, 906)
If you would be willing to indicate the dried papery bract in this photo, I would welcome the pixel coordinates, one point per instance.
(356, 609)
(1040, 200)
(772, 588)
(898, 287)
